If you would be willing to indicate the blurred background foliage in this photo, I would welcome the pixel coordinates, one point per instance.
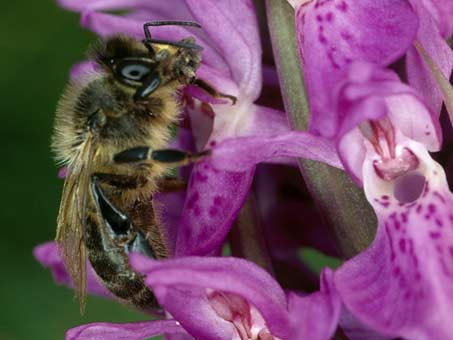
(39, 42)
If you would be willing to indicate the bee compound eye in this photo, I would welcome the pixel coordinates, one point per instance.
(134, 71)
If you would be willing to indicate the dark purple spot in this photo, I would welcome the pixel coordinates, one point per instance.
(419, 209)
(322, 39)
(319, 18)
(197, 210)
(345, 35)
(402, 244)
(427, 216)
(191, 201)
(329, 16)
(431, 208)
(450, 217)
(427, 133)
(213, 211)
(396, 271)
(434, 234)
(200, 177)
(392, 251)
(385, 197)
(218, 200)
(342, 6)
(439, 223)
(404, 217)
(393, 215)
(397, 225)
(407, 295)
(213, 143)
(417, 276)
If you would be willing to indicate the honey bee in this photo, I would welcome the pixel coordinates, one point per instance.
(111, 130)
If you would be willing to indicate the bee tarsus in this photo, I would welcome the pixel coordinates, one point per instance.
(166, 156)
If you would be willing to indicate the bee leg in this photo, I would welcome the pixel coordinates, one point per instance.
(166, 156)
(171, 184)
(212, 91)
(120, 229)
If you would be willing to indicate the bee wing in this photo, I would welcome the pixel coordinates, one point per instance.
(72, 217)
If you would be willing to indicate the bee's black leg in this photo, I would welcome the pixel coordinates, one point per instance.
(166, 156)
(172, 184)
(212, 91)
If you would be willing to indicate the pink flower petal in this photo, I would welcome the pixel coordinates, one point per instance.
(184, 281)
(242, 153)
(123, 331)
(370, 93)
(419, 74)
(403, 284)
(334, 33)
(233, 28)
(47, 255)
(315, 316)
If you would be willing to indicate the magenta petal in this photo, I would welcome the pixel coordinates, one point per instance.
(214, 199)
(242, 153)
(403, 284)
(107, 24)
(233, 28)
(418, 73)
(48, 256)
(442, 10)
(315, 316)
(187, 279)
(334, 33)
(372, 93)
(123, 331)
(355, 330)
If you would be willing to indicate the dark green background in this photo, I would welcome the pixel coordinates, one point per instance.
(38, 42)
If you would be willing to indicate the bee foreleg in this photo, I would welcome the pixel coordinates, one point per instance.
(212, 91)
(171, 184)
(166, 156)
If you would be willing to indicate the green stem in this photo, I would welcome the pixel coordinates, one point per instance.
(341, 202)
(247, 236)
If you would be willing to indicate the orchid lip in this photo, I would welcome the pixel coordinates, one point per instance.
(392, 162)
(246, 319)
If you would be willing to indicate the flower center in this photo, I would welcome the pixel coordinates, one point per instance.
(246, 319)
(393, 162)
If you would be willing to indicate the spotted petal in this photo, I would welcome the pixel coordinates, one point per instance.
(189, 281)
(403, 284)
(332, 34)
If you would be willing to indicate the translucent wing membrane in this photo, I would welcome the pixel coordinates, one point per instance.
(72, 217)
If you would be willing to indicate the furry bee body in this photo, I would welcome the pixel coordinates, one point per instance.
(107, 209)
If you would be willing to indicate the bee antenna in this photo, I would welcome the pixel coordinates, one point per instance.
(146, 25)
(173, 43)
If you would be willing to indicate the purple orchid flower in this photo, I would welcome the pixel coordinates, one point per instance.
(229, 298)
(213, 298)
(332, 34)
